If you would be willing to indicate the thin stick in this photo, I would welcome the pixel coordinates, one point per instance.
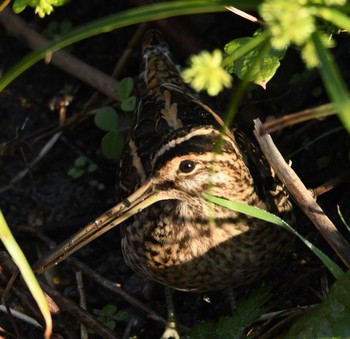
(107, 284)
(21, 316)
(63, 60)
(298, 117)
(43, 152)
(82, 302)
(4, 5)
(128, 50)
(302, 195)
(331, 184)
(245, 15)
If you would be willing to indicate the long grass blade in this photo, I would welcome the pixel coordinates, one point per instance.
(129, 17)
(333, 81)
(26, 271)
(273, 219)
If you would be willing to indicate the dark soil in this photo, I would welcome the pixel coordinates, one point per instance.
(48, 200)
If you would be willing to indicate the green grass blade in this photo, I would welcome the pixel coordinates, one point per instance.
(333, 81)
(26, 271)
(123, 19)
(273, 219)
(343, 219)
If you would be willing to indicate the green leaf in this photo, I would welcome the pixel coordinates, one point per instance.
(331, 319)
(124, 88)
(75, 173)
(121, 316)
(92, 168)
(129, 104)
(110, 324)
(333, 81)
(112, 144)
(109, 309)
(33, 3)
(246, 312)
(106, 118)
(246, 67)
(80, 162)
(61, 2)
(202, 331)
(19, 6)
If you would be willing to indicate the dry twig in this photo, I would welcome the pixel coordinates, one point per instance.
(105, 283)
(302, 195)
(63, 60)
(8, 268)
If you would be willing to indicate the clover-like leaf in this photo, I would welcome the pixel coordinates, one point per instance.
(112, 144)
(129, 104)
(92, 167)
(80, 162)
(124, 88)
(106, 119)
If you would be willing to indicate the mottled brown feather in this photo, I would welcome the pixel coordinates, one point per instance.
(184, 242)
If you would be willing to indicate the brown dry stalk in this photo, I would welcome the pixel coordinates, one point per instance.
(302, 195)
(61, 59)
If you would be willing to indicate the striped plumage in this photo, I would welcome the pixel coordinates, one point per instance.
(178, 148)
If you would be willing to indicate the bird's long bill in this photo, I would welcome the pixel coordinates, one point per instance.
(140, 199)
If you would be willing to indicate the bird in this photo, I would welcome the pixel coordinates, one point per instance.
(178, 149)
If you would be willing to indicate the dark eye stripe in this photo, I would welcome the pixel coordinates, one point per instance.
(197, 145)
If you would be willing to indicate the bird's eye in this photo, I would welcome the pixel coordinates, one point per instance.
(187, 166)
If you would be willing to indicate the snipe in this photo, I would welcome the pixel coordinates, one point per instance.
(177, 150)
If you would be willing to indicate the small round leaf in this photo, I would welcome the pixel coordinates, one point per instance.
(124, 88)
(80, 162)
(106, 119)
(112, 144)
(92, 168)
(129, 104)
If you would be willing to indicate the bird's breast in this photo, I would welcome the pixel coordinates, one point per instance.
(197, 254)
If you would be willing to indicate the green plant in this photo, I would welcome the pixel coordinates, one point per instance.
(247, 57)
(246, 312)
(42, 7)
(106, 119)
(330, 319)
(308, 26)
(110, 316)
(272, 218)
(308, 36)
(81, 166)
(333, 313)
(27, 273)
